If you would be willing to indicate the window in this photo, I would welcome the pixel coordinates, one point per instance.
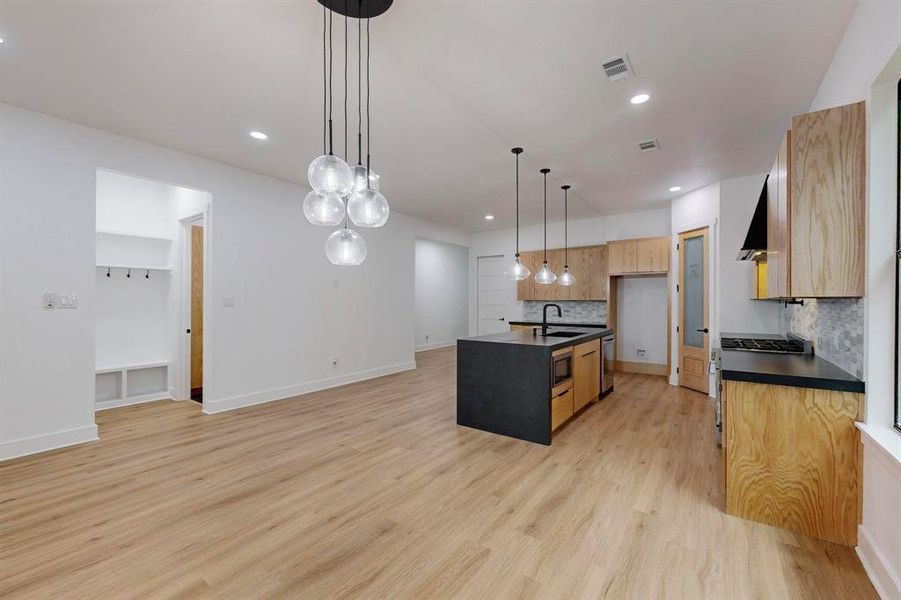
(898, 262)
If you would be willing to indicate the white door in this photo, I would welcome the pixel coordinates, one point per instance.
(492, 295)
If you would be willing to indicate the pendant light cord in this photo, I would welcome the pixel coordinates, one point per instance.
(517, 204)
(330, 78)
(324, 86)
(566, 227)
(545, 172)
(345, 80)
(359, 91)
(368, 134)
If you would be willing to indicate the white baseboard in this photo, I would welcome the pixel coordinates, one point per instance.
(436, 345)
(879, 571)
(211, 407)
(48, 441)
(117, 402)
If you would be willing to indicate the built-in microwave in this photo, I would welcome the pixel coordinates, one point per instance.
(562, 367)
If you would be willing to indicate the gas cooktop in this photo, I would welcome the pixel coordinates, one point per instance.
(783, 346)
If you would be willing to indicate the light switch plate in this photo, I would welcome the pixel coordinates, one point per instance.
(68, 302)
(50, 300)
(228, 303)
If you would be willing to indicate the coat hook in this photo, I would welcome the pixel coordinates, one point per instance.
(147, 274)
(107, 271)
(128, 274)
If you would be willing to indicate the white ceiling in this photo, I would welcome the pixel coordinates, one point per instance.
(456, 84)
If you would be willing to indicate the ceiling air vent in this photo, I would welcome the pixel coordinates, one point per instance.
(649, 145)
(617, 67)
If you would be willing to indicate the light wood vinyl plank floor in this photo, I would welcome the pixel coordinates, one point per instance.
(372, 491)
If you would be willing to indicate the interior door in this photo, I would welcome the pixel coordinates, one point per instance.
(492, 294)
(694, 309)
(196, 312)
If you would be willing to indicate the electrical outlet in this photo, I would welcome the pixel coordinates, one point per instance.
(334, 362)
(228, 303)
(68, 302)
(641, 352)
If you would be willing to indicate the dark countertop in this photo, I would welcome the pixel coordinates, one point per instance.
(797, 370)
(524, 337)
(562, 323)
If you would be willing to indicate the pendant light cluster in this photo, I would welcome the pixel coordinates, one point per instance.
(544, 276)
(341, 193)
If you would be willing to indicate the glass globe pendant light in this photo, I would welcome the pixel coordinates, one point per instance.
(367, 207)
(345, 247)
(518, 271)
(566, 278)
(330, 177)
(545, 276)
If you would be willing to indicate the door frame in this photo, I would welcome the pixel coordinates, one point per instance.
(710, 293)
(183, 379)
(478, 290)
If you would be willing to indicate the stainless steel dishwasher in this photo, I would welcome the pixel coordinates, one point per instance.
(608, 345)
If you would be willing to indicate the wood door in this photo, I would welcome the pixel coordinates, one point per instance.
(196, 310)
(694, 309)
(778, 223)
(826, 176)
(586, 373)
(492, 294)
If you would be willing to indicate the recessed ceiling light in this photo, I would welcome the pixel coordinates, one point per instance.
(489, 217)
(259, 135)
(1, 40)
(640, 99)
(676, 188)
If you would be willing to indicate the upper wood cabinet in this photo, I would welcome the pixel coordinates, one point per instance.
(643, 255)
(777, 226)
(587, 264)
(816, 208)
(828, 202)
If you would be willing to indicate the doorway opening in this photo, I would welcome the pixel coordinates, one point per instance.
(139, 265)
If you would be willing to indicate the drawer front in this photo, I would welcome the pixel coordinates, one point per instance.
(561, 408)
(587, 348)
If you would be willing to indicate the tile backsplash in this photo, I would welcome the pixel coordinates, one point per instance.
(575, 311)
(834, 326)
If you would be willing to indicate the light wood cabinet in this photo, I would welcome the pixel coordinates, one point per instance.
(792, 458)
(561, 405)
(816, 207)
(778, 238)
(827, 202)
(586, 373)
(636, 256)
(588, 264)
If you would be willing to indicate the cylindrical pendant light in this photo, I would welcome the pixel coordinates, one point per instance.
(518, 271)
(566, 278)
(545, 276)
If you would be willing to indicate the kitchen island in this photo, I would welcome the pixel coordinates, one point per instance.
(524, 384)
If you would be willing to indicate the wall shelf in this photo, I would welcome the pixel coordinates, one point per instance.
(134, 235)
(134, 267)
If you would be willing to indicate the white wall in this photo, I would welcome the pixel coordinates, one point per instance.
(866, 66)
(736, 282)
(294, 311)
(442, 294)
(641, 319)
(582, 232)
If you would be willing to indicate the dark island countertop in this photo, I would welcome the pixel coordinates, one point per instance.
(595, 325)
(525, 337)
(796, 370)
